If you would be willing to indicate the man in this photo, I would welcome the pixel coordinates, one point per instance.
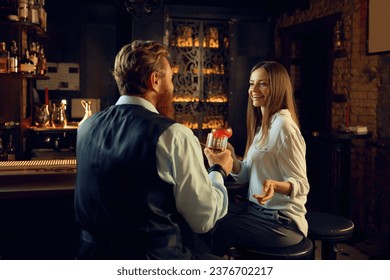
(142, 189)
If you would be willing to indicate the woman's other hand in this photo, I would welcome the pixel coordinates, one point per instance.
(268, 192)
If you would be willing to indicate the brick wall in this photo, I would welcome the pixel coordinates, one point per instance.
(365, 82)
(358, 76)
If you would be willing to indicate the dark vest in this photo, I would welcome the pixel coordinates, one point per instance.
(120, 201)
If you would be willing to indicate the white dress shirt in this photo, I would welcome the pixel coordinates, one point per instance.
(201, 198)
(282, 158)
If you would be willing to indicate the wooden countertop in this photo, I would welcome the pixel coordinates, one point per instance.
(36, 177)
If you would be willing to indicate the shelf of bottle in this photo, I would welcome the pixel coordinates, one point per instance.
(198, 47)
(26, 25)
(24, 75)
(197, 102)
(69, 127)
(216, 70)
(204, 126)
(212, 99)
(9, 126)
(211, 44)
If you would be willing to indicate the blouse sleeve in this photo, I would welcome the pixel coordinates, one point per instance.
(242, 176)
(292, 163)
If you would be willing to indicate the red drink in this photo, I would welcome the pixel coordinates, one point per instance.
(223, 131)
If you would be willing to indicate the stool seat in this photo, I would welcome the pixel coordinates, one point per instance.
(329, 226)
(329, 229)
(301, 251)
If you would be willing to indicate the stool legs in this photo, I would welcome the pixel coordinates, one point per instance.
(329, 250)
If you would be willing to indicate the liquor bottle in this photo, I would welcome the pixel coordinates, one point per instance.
(42, 62)
(33, 52)
(33, 15)
(26, 65)
(3, 155)
(42, 14)
(13, 62)
(11, 149)
(4, 56)
(23, 10)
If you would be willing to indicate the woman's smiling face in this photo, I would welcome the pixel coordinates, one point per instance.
(259, 87)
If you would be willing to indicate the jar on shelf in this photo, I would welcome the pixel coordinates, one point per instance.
(42, 115)
(58, 116)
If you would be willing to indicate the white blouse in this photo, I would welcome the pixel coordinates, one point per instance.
(281, 158)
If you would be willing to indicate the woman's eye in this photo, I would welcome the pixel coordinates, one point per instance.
(263, 84)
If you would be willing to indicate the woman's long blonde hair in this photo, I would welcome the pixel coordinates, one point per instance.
(281, 96)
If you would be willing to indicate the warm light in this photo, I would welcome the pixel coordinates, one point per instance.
(338, 35)
(212, 99)
(213, 41)
(178, 98)
(217, 99)
(216, 70)
(185, 40)
(175, 69)
(212, 124)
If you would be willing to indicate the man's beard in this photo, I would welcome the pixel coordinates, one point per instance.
(165, 105)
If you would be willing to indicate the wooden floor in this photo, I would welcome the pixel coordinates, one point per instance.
(364, 250)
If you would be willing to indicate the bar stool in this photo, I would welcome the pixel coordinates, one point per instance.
(330, 229)
(301, 251)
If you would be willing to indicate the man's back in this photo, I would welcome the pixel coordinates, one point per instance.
(121, 203)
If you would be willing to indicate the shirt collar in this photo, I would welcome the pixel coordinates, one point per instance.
(135, 100)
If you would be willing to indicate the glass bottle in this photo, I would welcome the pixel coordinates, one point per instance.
(3, 155)
(58, 117)
(26, 65)
(4, 57)
(11, 149)
(42, 62)
(42, 14)
(23, 10)
(33, 15)
(13, 63)
(33, 52)
(42, 115)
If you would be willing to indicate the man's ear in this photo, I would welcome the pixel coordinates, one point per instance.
(154, 81)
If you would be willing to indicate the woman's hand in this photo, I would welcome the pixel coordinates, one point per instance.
(230, 148)
(270, 187)
(236, 162)
(268, 192)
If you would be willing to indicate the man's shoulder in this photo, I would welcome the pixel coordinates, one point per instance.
(178, 128)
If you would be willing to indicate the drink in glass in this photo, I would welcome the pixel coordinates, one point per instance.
(216, 142)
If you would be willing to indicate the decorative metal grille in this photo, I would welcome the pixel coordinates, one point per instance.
(199, 58)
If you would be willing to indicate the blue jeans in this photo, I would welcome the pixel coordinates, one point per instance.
(248, 225)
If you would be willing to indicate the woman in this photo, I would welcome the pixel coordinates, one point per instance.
(274, 165)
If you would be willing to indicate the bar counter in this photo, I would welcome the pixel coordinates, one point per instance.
(36, 177)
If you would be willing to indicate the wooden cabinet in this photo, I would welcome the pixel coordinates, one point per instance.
(200, 62)
(16, 89)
